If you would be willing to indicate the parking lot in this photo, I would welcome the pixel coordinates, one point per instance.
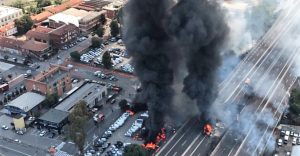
(113, 140)
(287, 138)
(119, 55)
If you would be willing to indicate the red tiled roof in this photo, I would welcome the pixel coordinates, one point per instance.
(35, 46)
(7, 27)
(83, 7)
(37, 35)
(11, 43)
(41, 16)
(63, 7)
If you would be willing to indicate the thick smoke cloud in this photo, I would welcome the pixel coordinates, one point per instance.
(160, 35)
(148, 44)
(200, 30)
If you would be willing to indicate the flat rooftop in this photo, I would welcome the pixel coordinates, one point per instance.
(27, 101)
(54, 116)
(87, 92)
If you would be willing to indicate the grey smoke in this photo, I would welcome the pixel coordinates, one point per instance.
(161, 36)
(200, 30)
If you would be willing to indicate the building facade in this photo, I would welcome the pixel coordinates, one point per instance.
(64, 35)
(9, 14)
(11, 45)
(8, 29)
(56, 80)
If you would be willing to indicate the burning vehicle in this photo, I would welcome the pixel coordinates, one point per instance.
(208, 129)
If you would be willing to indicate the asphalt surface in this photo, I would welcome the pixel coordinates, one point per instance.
(269, 67)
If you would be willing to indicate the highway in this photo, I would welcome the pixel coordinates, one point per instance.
(249, 126)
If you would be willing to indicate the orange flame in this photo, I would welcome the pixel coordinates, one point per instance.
(130, 112)
(208, 129)
(150, 146)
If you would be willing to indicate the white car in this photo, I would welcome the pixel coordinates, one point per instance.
(43, 133)
(294, 141)
(279, 143)
(17, 140)
(4, 127)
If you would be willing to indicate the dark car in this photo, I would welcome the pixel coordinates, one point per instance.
(52, 135)
(105, 146)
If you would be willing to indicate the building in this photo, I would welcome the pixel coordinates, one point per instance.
(84, 20)
(56, 80)
(8, 29)
(28, 104)
(92, 5)
(19, 122)
(91, 93)
(11, 45)
(39, 34)
(64, 35)
(53, 119)
(88, 23)
(112, 9)
(9, 14)
(36, 49)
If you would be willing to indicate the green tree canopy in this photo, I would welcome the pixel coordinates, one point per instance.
(295, 101)
(100, 31)
(96, 42)
(75, 56)
(43, 3)
(51, 100)
(18, 4)
(78, 119)
(114, 28)
(102, 19)
(135, 150)
(106, 60)
(23, 24)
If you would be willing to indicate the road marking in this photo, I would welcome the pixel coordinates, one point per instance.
(175, 154)
(183, 143)
(170, 140)
(15, 150)
(191, 144)
(198, 145)
(179, 140)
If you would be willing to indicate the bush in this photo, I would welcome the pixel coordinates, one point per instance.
(75, 56)
(96, 42)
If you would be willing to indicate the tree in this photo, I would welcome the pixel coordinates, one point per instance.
(43, 3)
(51, 100)
(57, 2)
(120, 16)
(23, 24)
(135, 150)
(114, 28)
(123, 104)
(18, 4)
(295, 101)
(102, 19)
(9, 76)
(75, 56)
(78, 119)
(106, 60)
(100, 31)
(96, 42)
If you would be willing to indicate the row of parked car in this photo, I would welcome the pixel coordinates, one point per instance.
(138, 123)
(91, 55)
(287, 134)
(104, 76)
(101, 144)
(128, 68)
(79, 39)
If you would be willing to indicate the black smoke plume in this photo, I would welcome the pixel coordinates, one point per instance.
(148, 43)
(158, 33)
(200, 30)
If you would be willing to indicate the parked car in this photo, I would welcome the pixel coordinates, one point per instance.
(294, 142)
(43, 133)
(4, 127)
(279, 142)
